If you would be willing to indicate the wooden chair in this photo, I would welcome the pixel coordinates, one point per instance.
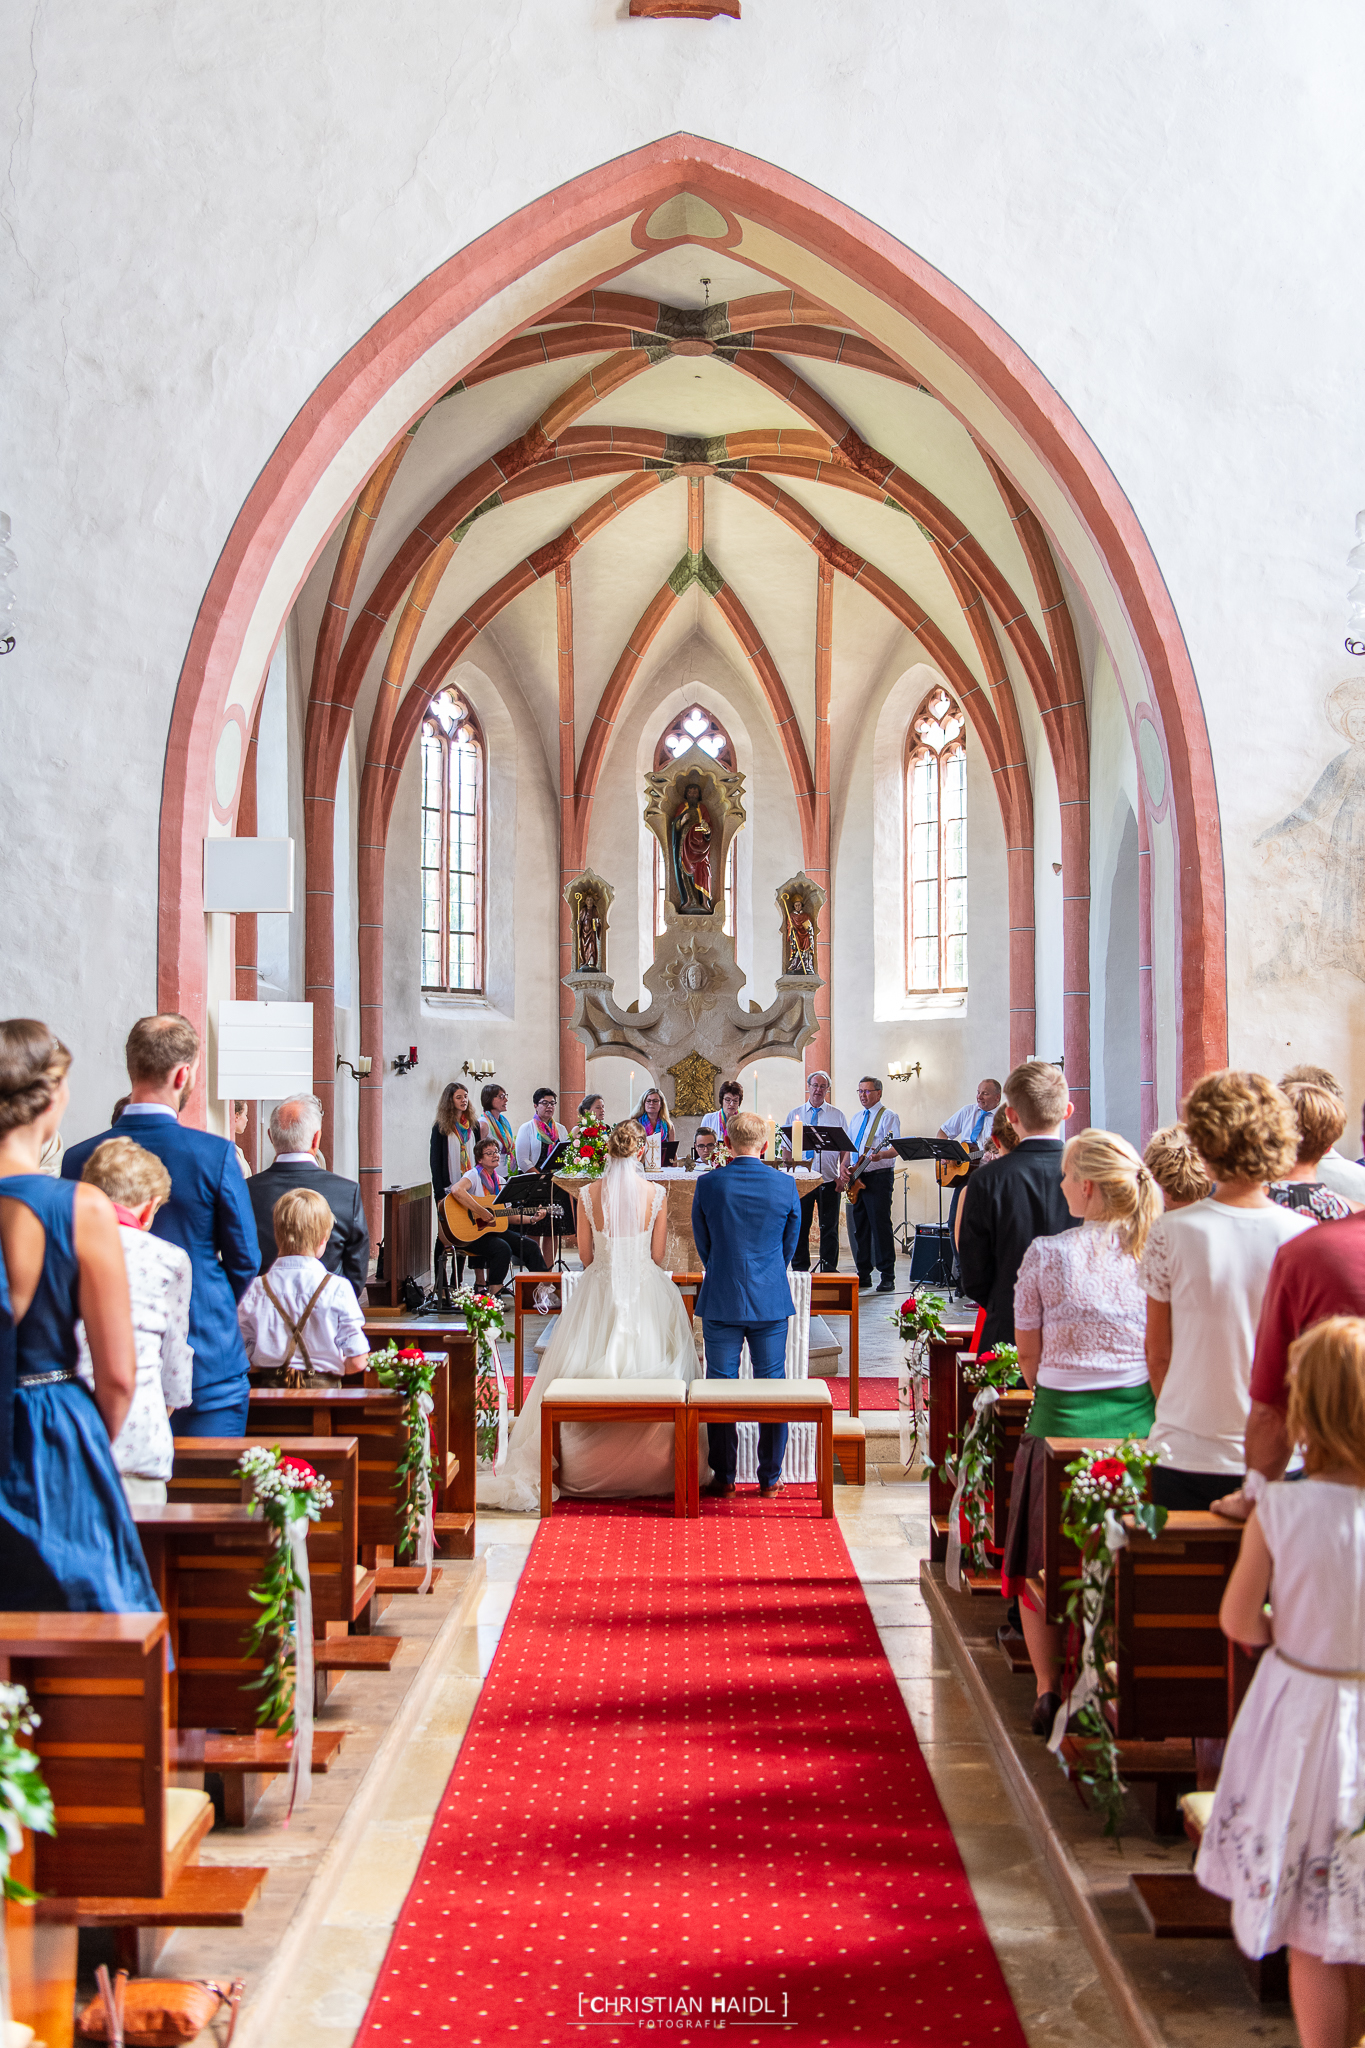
(762, 1401)
(126, 1849)
(589, 1400)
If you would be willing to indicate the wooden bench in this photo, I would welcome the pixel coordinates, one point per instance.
(762, 1401)
(456, 1455)
(589, 1400)
(945, 1423)
(1177, 1908)
(1061, 1559)
(126, 1847)
(372, 1415)
(850, 1448)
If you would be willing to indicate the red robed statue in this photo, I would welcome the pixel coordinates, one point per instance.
(689, 837)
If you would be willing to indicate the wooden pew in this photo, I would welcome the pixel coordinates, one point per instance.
(1178, 1908)
(455, 1457)
(1012, 1413)
(345, 1596)
(945, 1422)
(1061, 1559)
(1173, 1677)
(125, 1854)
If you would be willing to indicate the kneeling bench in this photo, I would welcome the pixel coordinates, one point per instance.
(613, 1401)
(762, 1401)
(850, 1448)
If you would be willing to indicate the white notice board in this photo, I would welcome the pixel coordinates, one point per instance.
(265, 1050)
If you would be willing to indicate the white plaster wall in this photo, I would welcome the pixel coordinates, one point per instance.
(1114, 1029)
(209, 204)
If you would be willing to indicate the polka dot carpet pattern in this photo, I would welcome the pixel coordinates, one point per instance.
(690, 1799)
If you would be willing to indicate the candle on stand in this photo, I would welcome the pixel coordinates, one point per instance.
(770, 1149)
(798, 1139)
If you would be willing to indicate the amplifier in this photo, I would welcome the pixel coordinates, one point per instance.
(932, 1257)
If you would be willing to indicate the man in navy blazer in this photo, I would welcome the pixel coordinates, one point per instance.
(745, 1221)
(208, 1215)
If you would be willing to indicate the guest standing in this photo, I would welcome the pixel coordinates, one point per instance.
(296, 1134)
(67, 1540)
(241, 1116)
(591, 1110)
(1176, 1167)
(1080, 1319)
(159, 1282)
(731, 1103)
(208, 1214)
(1321, 1118)
(453, 1136)
(1205, 1271)
(1015, 1199)
(1344, 1176)
(1283, 1839)
(300, 1317)
(869, 1217)
(744, 1224)
(496, 1124)
(652, 1116)
(817, 1109)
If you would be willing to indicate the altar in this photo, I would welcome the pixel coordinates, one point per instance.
(681, 1183)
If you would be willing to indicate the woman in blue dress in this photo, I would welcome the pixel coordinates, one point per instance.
(67, 1539)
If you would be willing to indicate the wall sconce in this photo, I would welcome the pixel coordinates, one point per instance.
(406, 1061)
(901, 1070)
(1059, 1064)
(481, 1070)
(1355, 632)
(8, 564)
(360, 1070)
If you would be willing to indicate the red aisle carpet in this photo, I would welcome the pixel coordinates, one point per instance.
(690, 1795)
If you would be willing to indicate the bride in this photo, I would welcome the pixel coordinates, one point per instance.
(624, 1320)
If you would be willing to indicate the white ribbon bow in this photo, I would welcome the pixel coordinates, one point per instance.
(985, 1400)
(426, 1535)
(1087, 1682)
(299, 1784)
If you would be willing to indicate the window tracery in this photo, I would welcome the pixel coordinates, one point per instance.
(936, 846)
(452, 847)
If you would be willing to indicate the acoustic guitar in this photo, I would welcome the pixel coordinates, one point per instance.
(459, 1227)
(947, 1172)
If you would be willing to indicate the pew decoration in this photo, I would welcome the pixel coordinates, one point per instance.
(970, 1472)
(918, 1323)
(290, 1495)
(25, 1801)
(411, 1373)
(1106, 1485)
(485, 1318)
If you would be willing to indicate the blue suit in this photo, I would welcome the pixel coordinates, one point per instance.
(746, 1218)
(209, 1216)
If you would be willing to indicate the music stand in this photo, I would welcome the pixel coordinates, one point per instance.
(819, 1138)
(523, 1191)
(551, 1196)
(944, 1151)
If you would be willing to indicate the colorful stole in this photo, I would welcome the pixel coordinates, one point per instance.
(502, 1130)
(490, 1181)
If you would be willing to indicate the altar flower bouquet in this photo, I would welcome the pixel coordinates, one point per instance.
(410, 1372)
(289, 1494)
(586, 1157)
(1105, 1487)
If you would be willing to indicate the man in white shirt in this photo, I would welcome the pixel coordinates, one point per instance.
(970, 1125)
(818, 1109)
(869, 1215)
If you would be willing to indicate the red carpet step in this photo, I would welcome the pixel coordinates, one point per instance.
(690, 1793)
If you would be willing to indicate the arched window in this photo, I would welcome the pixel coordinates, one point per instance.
(452, 847)
(696, 728)
(936, 854)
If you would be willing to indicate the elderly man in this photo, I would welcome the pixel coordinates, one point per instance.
(296, 1133)
(208, 1215)
(971, 1126)
(869, 1212)
(818, 1109)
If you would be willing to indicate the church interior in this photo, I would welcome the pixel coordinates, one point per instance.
(556, 558)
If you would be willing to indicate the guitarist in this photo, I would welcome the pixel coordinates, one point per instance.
(970, 1126)
(478, 1192)
(868, 1181)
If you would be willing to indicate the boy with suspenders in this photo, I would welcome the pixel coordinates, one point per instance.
(298, 1320)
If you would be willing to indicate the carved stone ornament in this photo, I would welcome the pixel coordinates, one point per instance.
(800, 902)
(694, 809)
(695, 1081)
(589, 899)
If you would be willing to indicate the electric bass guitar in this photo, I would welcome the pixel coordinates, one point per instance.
(459, 1226)
(855, 1181)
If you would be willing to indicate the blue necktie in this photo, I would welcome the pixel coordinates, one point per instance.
(862, 1130)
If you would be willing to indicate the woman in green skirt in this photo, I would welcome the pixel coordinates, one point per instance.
(1080, 1323)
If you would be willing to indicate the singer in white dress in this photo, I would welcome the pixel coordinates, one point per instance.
(624, 1320)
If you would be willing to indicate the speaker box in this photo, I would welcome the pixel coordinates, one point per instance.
(932, 1258)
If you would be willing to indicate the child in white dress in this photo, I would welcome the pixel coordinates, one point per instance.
(1284, 1840)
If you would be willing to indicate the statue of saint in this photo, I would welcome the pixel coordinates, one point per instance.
(800, 937)
(689, 840)
(589, 934)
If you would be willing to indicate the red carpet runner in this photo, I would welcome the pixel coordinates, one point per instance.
(690, 1796)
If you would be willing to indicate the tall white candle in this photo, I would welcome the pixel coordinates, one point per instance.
(798, 1139)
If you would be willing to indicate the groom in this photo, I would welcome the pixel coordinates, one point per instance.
(745, 1221)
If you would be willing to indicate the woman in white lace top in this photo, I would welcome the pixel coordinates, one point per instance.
(1080, 1321)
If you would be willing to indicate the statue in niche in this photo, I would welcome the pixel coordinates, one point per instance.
(589, 934)
(689, 842)
(800, 935)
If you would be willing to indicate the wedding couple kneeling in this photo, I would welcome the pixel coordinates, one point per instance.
(625, 1319)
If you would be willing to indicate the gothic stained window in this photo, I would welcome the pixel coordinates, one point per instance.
(452, 847)
(696, 728)
(936, 848)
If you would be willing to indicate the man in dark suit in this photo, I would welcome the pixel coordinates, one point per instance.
(746, 1218)
(1015, 1199)
(295, 1133)
(208, 1215)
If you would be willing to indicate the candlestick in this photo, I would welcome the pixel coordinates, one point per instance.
(770, 1149)
(798, 1139)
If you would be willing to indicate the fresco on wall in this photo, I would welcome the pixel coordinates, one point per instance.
(1314, 860)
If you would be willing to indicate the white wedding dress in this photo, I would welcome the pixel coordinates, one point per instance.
(624, 1320)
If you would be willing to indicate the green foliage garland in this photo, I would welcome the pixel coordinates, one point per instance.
(25, 1801)
(286, 1490)
(410, 1373)
(972, 1467)
(485, 1318)
(1105, 1486)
